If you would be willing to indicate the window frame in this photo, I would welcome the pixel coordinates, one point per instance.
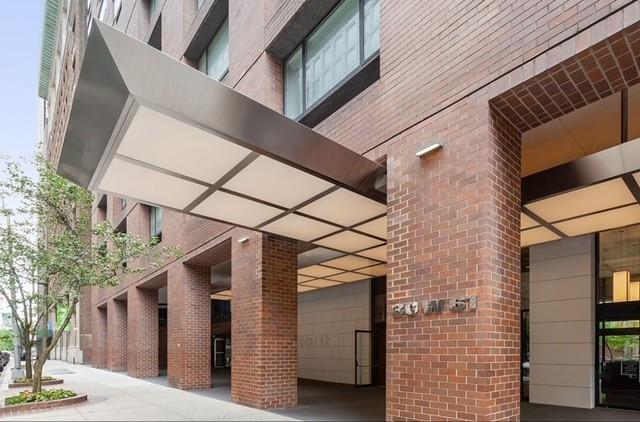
(117, 8)
(364, 62)
(153, 223)
(205, 52)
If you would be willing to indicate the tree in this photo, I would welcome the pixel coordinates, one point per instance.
(50, 252)
(6, 340)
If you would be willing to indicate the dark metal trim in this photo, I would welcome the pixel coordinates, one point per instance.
(353, 84)
(542, 223)
(214, 18)
(594, 213)
(632, 185)
(293, 210)
(355, 353)
(224, 179)
(308, 16)
(624, 114)
(161, 170)
(595, 168)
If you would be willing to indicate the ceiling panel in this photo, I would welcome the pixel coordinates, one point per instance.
(318, 271)
(376, 227)
(583, 201)
(379, 253)
(344, 207)
(527, 222)
(299, 227)
(227, 207)
(321, 283)
(349, 241)
(133, 181)
(619, 217)
(546, 146)
(276, 183)
(584, 131)
(350, 262)
(348, 277)
(302, 289)
(537, 235)
(376, 271)
(166, 142)
(222, 295)
(595, 126)
(303, 278)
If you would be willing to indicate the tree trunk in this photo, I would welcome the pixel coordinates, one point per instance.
(28, 371)
(37, 375)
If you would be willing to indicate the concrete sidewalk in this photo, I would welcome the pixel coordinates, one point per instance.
(114, 396)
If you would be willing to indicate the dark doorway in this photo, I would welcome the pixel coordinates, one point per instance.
(379, 329)
(162, 338)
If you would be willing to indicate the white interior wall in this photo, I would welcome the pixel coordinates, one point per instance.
(562, 330)
(327, 320)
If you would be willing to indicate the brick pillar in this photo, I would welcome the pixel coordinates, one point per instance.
(453, 221)
(117, 335)
(142, 332)
(264, 316)
(189, 326)
(99, 337)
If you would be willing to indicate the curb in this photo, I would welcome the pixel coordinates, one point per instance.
(29, 384)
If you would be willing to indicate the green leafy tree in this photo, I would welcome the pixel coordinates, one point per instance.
(50, 252)
(6, 340)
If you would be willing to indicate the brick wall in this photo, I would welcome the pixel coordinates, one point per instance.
(454, 231)
(264, 321)
(99, 337)
(189, 326)
(142, 332)
(117, 335)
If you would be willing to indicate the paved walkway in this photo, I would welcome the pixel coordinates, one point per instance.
(114, 396)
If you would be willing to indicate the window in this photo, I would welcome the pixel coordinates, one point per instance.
(344, 42)
(123, 203)
(117, 7)
(215, 59)
(200, 3)
(155, 220)
(103, 10)
(153, 7)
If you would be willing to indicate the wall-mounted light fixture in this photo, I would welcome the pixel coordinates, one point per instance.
(243, 240)
(428, 150)
(624, 289)
(621, 286)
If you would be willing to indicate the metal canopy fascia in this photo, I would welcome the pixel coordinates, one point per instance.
(120, 73)
(135, 107)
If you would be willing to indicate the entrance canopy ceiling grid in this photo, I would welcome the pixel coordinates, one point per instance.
(147, 127)
(595, 193)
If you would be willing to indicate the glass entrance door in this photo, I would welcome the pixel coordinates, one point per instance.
(619, 363)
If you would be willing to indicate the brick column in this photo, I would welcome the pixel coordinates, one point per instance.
(117, 335)
(453, 221)
(142, 332)
(189, 326)
(264, 313)
(99, 337)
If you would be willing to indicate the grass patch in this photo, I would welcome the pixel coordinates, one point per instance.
(25, 380)
(44, 395)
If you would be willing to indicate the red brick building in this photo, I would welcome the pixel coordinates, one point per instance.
(408, 182)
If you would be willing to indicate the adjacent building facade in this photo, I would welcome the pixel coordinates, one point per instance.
(440, 198)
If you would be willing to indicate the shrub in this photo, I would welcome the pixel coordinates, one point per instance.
(44, 395)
